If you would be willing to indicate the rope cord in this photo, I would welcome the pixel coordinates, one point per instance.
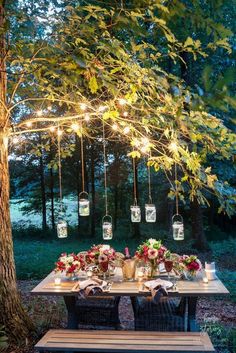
(105, 168)
(149, 184)
(176, 191)
(135, 186)
(82, 158)
(59, 167)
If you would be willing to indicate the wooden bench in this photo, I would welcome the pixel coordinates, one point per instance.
(124, 341)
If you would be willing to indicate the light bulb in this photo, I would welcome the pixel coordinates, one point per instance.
(59, 132)
(122, 101)
(145, 141)
(126, 130)
(52, 128)
(83, 106)
(39, 113)
(173, 146)
(125, 114)
(29, 124)
(144, 149)
(87, 117)
(102, 108)
(136, 142)
(75, 126)
(15, 140)
(115, 127)
(49, 108)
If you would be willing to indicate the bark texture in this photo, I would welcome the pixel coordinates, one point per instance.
(12, 315)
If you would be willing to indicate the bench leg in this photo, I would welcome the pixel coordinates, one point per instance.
(72, 322)
(192, 308)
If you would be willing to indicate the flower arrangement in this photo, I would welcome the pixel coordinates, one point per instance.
(70, 263)
(101, 256)
(151, 251)
(190, 265)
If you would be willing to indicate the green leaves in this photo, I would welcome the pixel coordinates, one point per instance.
(93, 85)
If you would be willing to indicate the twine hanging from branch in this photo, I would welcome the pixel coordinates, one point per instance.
(134, 183)
(149, 182)
(176, 191)
(59, 166)
(105, 168)
(82, 158)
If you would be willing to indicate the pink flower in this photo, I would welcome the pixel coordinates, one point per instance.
(152, 254)
(102, 258)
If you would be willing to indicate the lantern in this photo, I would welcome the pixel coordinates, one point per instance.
(84, 204)
(178, 227)
(107, 233)
(210, 270)
(150, 213)
(62, 228)
(135, 214)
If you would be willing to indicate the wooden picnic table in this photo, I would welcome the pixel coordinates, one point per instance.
(191, 290)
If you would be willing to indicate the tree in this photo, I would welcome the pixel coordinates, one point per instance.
(104, 62)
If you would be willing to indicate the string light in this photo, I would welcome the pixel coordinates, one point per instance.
(52, 128)
(145, 141)
(122, 101)
(173, 146)
(144, 149)
(125, 114)
(136, 142)
(115, 127)
(39, 113)
(15, 140)
(83, 106)
(126, 130)
(75, 126)
(87, 117)
(59, 132)
(29, 124)
(102, 108)
(49, 107)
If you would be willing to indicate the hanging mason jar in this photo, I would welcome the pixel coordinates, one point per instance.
(84, 204)
(150, 213)
(62, 228)
(178, 227)
(135, 214)
(107, 233)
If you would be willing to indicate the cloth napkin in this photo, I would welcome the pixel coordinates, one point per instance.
(91, 287)
(158, 289)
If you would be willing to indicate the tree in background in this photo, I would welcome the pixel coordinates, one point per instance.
(106, 62)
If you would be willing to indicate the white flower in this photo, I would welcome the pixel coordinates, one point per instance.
(152, 254)
(104, 248)
(152, 242)
(70, 259)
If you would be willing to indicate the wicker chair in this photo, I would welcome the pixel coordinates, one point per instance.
(98, 311)
(167, 315)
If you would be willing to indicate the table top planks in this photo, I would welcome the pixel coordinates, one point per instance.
(125, 341)
(184, 288)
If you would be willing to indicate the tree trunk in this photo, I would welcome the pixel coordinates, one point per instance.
(43, 192)
(198, 233)
(12, 315)
(92, 175)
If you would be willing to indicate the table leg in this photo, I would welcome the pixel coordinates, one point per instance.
(192, 307)
(72, 322)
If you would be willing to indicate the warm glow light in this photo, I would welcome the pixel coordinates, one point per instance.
(144, 149)
(126, 130)
(136, 143)
(87, 117)
(75, 126)
(29, 124)
(173, 146)
(59, 132)
(102, 108)
(122, 101)
(145, 141)
(125, 114)
(83, 106)
(49, 107)
(52, 128)
(115, 127)
(15, 140)
(39, 113)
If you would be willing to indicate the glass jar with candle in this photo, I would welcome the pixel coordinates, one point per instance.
(62, 228)
(128, 269)
(107, 227)
(150, 213)
(135, 214)
(178, 227)
(84, 209)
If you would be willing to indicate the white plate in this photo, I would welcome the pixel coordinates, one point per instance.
(158, 281)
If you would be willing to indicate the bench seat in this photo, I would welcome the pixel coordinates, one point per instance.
(124, 341)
